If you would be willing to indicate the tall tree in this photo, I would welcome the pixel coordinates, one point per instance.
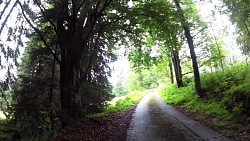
(191, 47)
(77, 24)
(157, 34)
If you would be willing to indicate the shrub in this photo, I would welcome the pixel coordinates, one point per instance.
(173, 95)
(227, 94)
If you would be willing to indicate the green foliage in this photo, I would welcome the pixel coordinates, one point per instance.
(133, 83)
(152, 31)
(78, 54)
(122, 104)
(227, 95)
(32, 98)
(141, 80)
(231, 89)
(239, 15)
(6, 101)
(187, 80)
(173, 95)
(213, 55)
(119, 89)
(186, 97)
(220, 82)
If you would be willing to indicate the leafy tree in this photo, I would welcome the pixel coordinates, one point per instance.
(191, 47)
(119, 89)
(177, 67)
(34, 87)
(155, 35)
(239, 15)
(141, 80)
(79, 32)
(213, 55)
(65, 67)
(154, 27)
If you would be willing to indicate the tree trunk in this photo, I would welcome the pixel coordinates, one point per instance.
(191, 47)
(69, 66)
(177, 68)
(50, 95)
(171, 72)
(73, 42)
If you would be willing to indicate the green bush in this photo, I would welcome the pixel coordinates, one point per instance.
(186, 98)
(173, 95)
(230, 88)
(217, 83)
(227, 94)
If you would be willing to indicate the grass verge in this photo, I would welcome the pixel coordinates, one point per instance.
(122, 104)
(186, 98)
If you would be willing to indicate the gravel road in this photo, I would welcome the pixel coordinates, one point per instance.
(154, 120)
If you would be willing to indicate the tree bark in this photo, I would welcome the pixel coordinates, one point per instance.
(191, 48)
(177, 68)
(69, 66)
(171, 72)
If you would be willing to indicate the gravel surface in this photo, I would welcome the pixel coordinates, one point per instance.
(154, 120)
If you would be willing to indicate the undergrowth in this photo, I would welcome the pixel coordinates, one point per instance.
(186, 98)
(123, 104)
(227, 99)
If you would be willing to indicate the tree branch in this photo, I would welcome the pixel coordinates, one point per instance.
(42, 11)
(199, 32)
(92, 55)
(6, 18)
(38, 32)
(78, 9)
(106, 4)
(5, 7)
(246, 28)
(186, 73)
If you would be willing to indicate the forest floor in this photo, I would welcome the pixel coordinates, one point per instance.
(154, 116)
(112, 127)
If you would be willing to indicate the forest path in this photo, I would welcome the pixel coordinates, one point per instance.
(154, 120)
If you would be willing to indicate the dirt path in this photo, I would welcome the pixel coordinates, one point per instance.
(154, 120)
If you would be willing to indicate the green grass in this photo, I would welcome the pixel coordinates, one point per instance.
(227, 95)
(172, 95)
(122, 104)
(186, 98)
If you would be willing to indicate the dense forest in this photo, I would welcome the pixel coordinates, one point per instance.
(55, 60)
